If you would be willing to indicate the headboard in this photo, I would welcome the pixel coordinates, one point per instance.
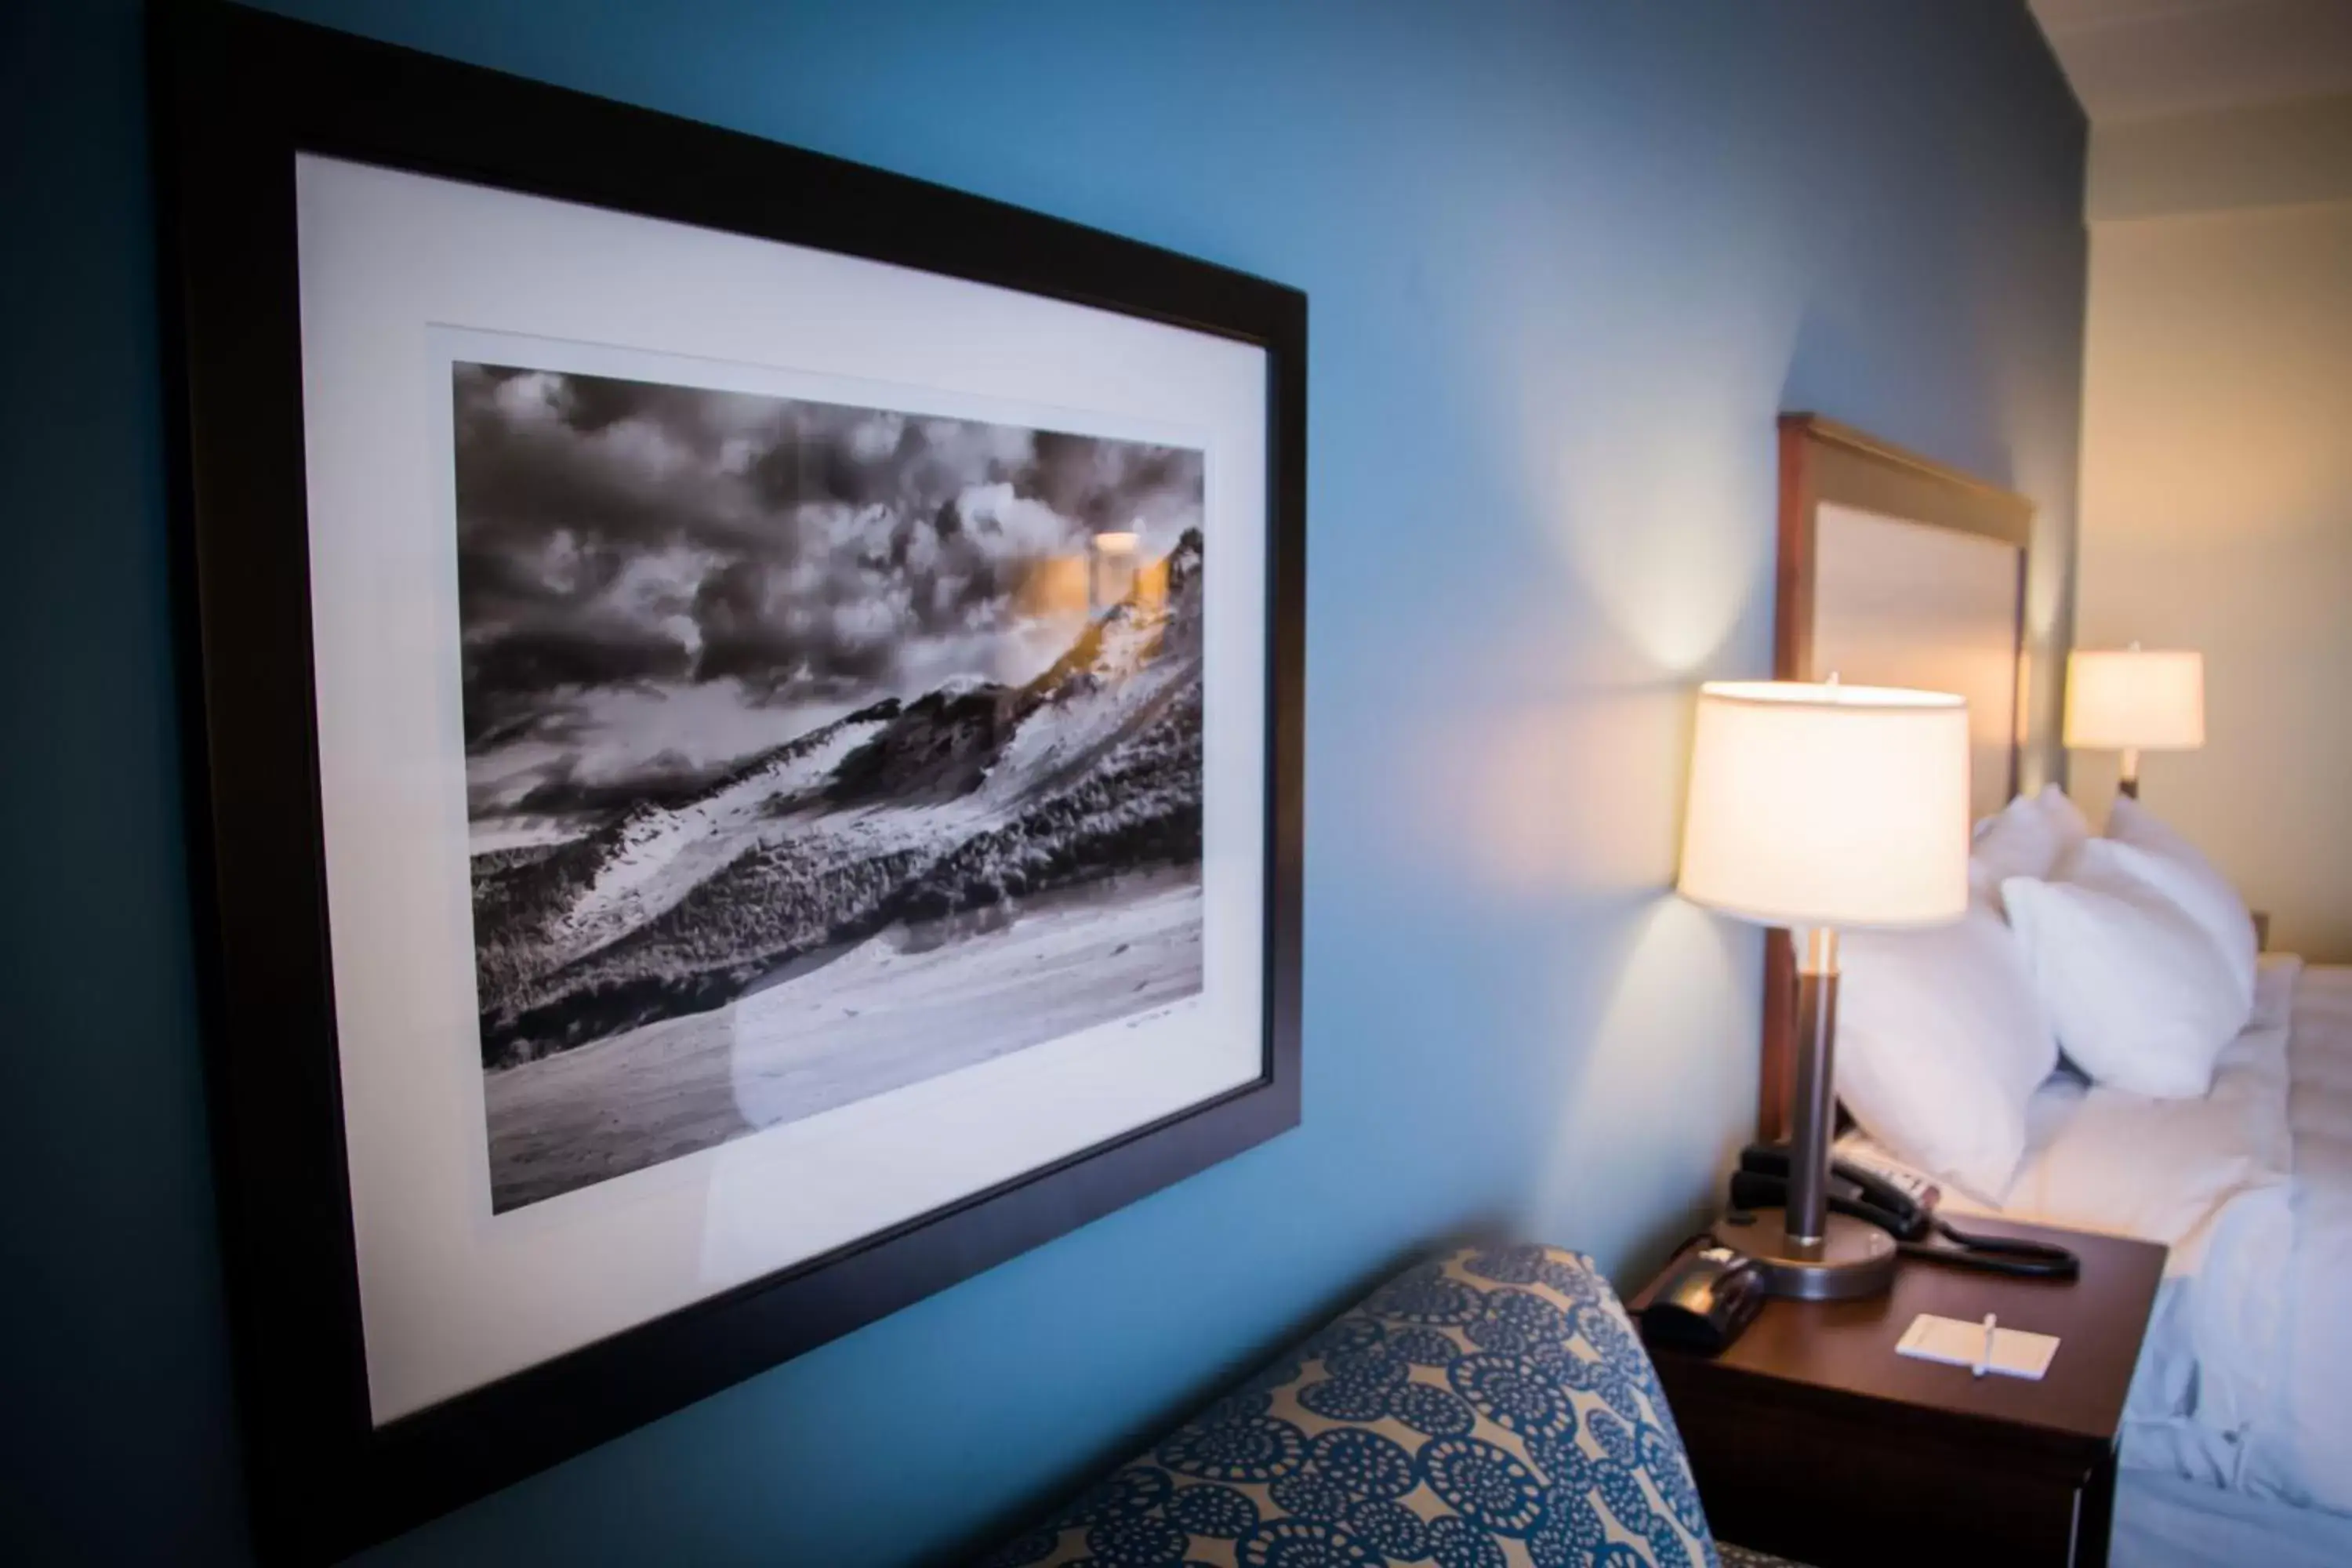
(1894, 570)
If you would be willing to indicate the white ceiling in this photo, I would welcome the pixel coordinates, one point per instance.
(2140, 59)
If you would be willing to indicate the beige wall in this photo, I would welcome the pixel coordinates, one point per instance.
(2261, 155)
(2217, 514)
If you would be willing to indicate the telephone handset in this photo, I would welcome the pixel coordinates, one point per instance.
(1905, 1211)
(1905, 1208)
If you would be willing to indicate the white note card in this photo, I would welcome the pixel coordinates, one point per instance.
(2013, 1352)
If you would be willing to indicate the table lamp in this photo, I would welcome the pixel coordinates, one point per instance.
(1819, 807)
(2134, 699)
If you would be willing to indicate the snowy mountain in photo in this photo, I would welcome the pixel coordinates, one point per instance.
(945, 815)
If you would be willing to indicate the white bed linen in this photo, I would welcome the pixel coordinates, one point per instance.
(2305, 1450)
(2171, 1521)
(2142, 997)
(2245, 1380)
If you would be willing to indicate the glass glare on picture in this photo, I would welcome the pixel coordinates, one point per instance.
(1112, 568)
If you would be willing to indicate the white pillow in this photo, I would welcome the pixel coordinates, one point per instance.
(2196, 884)
(1941, 1042)
(2029, 837)
(2142, 998)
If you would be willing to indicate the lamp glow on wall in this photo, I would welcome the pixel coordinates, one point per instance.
(1817, 807)
(2134, 699)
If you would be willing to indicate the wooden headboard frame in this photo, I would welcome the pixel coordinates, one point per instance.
(1824, 461)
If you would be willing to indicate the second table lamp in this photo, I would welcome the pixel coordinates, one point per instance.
(1819, 807)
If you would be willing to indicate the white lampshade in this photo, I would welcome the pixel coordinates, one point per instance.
(1828, 806)
(2148, 700)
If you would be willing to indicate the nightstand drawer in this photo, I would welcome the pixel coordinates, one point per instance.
(1856, 1489)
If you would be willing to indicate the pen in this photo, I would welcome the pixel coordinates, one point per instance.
(1984, 1357)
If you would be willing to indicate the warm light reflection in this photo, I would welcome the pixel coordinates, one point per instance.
(1053, 587)
(1149, 585)
(2043, 465)
(2032, 761)
(1058, 593)
(1582, 793)
(1666, 531)
(1113, 568)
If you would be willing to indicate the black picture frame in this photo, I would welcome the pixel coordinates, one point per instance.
(236, 95)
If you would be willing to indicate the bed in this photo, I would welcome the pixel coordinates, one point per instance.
(2237, 1444)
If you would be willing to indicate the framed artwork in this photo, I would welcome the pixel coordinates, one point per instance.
(746, 718)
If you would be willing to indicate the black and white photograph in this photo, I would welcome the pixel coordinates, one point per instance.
(812, 751)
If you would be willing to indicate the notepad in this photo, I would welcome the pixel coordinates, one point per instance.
(1958, 1342)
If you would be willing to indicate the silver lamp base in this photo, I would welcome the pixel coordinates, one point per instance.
(1852, 1258)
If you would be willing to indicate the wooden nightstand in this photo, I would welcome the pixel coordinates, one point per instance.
(1811, 1438)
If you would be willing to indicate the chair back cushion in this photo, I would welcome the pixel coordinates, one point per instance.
(1489, 1408)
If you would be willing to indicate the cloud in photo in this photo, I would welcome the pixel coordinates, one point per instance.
(756, 559)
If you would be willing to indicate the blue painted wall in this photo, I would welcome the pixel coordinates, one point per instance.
(1564, 261)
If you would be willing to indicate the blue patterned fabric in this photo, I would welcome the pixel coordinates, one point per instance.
(1487, 1409)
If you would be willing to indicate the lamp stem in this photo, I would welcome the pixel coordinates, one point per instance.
(2128, 783)
(1813, 1115)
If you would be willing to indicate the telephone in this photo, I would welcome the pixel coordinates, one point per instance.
(1903, 1207)
(1708, 1295)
